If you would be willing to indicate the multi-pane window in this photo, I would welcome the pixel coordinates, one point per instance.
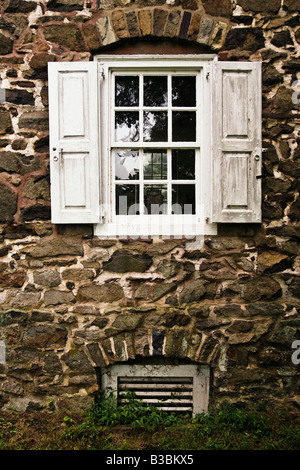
(155, 142)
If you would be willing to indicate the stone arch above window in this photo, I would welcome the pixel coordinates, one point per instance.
(175, 23)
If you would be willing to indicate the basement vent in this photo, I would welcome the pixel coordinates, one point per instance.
(181, 388)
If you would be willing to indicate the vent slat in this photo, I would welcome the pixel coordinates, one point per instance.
(150, 393)
(155, 387)
(156, 380)
(166, 393)
(167, 401)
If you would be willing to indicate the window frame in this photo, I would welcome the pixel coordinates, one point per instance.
(157, 225)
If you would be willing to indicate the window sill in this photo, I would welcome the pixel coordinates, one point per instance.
(165, 226)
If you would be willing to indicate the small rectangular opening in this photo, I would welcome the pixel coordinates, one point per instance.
(172, 388)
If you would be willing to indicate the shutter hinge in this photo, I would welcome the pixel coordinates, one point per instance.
(102, 73)
(207, 75)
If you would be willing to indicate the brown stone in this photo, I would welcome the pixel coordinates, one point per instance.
(20, 6)
(291, 5)
(14, 162)
(220, 8)
(294, 210)
(281, 102)
(261, 288)
(65, 5)
(249, 39)
(145, 20)
(55, 247)
(6, 45)
(159, 21)
(272, 261)
(67, 35)
(5, 122)
(132, 24)
(269, 6)
(194, 27)
(37, 188)
(92, 37)
(40, 61)
(8, 203)
(119, 24)
(43, 336)
(193, 291)
(109, 292)
(123, 262)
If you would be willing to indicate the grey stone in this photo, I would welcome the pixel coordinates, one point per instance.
(57, 297)
(47, 277)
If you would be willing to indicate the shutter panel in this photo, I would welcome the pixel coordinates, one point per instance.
(74, 142)
(236, 194)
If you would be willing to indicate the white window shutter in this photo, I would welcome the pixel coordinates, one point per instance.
(236, 136)
(74, 142)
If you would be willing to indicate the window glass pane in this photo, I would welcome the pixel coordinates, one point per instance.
(127, 199)
(155, 164)
(155, 91)
(126, 164)
(126, 91)
(127, 126)
(155, 198)
(184, 126)
(183, 164)
(183, 199)
(183, 91)
(155, 126)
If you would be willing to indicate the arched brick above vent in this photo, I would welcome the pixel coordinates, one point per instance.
(144, 343)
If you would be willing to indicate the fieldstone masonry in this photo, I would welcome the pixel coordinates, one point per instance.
(71, 303)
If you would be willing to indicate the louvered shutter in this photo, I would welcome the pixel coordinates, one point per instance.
(74, 142)
(236, 156)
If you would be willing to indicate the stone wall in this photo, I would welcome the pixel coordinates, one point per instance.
(71, 303)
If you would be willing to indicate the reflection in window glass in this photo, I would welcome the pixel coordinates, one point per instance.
(155, 198)
(183, 91)
(126, 164)
(155, 126)
(155, 164)
(184, 126)
(183, 198)
(127, 199)
(155, 91)
(183, 164)
(126, 91)
(127, 126)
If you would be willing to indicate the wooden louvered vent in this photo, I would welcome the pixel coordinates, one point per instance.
(167, 393)
(171, 387)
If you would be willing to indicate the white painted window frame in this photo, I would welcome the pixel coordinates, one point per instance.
(157, 225)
